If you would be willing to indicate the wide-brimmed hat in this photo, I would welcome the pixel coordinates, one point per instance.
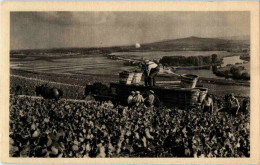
(146, 61)
(151, 91)
(133, 92)
(137, 92)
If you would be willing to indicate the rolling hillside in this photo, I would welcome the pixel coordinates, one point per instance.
(196, 43)
(190, 43)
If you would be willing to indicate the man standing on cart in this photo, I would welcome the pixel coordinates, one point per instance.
(151, 69)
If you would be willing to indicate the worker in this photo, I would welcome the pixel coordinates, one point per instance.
(245, 106)
(207, 104)
(149, 101)
(130, 99)
(152, 70)
(138, 98)
(89, 97)
(234, 104)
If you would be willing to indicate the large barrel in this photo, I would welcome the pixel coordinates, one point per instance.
(189, 80)
(203, 93)
(195, 96)
(126, 77)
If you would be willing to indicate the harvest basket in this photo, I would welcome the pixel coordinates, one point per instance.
(189, 80)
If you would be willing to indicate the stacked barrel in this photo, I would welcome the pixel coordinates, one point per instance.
(190, 81)
(202, 94)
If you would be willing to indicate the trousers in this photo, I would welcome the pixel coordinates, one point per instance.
(151, 78)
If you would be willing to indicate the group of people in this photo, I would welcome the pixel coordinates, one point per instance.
(208, 104)
(230, 104)
(48, 128)
(136, 99)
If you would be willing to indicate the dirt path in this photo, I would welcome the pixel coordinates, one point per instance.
(45, 81)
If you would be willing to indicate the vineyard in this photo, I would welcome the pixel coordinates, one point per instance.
(75, 127)
(73, 86)
(77, 79)
(64, 128)
(29, 84)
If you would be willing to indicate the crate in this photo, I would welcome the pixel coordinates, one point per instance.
(126, 77)
(137, 78)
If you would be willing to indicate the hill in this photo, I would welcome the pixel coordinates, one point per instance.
(186, 44)
(197, 43)
(241, 38)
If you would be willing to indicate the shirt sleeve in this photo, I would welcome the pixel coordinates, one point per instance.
(237, 102)
(151, 66)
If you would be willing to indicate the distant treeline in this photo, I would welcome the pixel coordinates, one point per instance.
(64, 51)
(190, 61)
(245, 57)
(235, 72)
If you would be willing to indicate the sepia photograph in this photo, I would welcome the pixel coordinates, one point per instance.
(130, 84)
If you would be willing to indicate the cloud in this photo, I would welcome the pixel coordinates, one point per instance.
(62, 18)
(76, 18)
(88, 29)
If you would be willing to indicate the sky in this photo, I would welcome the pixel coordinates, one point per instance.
(43, 30)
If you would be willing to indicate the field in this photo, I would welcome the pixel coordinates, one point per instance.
(93, 63)
(70, 65)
